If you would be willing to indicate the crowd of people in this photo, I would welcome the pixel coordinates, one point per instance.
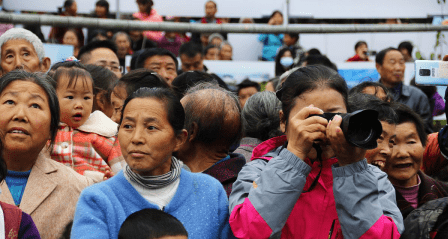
(166, 149)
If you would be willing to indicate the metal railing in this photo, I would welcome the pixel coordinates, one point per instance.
(61, 21)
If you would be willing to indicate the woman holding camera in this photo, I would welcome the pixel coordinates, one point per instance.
(294, 189)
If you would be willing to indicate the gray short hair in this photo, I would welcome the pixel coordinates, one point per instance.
(114, 37)
(215, 35)
(216, 112)
(260, 116)
(224, 43)
(20, 33)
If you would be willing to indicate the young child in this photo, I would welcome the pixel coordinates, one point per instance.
(152, 224)
(85, 141)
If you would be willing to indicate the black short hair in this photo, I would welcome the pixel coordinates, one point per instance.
(360, 43)
(379, 59)
(361, 86)
(139, 78)
(186, 80)
(314, 51)
(151, 223)
(406, 45)
(148, 53)
(319, 60)
(406, 114)
(68, 3)
(44, 82)
(294, 35)
(103, 3)
(173, 107)
(84, 52)
(361, 101)
(248, 83)
(190, 49)
(306, 79)
(275, 12)
(216, 6)
(208, 47)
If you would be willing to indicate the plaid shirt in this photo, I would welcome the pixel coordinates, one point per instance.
(86, 151)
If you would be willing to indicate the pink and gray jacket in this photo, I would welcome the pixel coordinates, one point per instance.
(268, 199)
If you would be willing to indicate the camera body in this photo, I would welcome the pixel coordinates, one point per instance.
(361, 128)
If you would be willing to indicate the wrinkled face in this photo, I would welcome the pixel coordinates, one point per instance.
(392, 70)
(123, 45)
(163, 65)
(361, 51)
(106, 58)
(25, 119)
(406, 157)
(216, 41)
(19, 54)
(245, 93)
(333, 102)
(117, 98)
(146, 137)
(212, 54)
(70, 38)
(75, 101)
(376, 91)
(101, 11)
(210, 10)
(226, 53)
(382, 153)
(192, 63)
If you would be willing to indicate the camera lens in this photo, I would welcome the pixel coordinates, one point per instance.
(424, 72)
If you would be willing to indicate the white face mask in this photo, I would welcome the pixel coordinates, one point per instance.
(286, 61)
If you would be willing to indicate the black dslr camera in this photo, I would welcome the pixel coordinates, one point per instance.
(361, 128)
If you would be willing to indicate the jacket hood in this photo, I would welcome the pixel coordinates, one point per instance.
(267, 146)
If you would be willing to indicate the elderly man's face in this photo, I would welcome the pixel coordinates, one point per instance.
(105, 57)
(192, 63)
(163, 65)
(20, 54)
(392, 70)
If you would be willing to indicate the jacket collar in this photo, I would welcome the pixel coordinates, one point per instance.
(429, 189)
(227, 169)
(267, 146)
(38, 187)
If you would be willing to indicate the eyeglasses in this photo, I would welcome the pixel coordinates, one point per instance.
(114, 68)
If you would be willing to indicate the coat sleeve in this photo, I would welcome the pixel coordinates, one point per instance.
(365, 202)
(262, 186)
(424, 110)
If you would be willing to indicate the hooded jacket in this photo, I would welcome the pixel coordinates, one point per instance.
(268, 199)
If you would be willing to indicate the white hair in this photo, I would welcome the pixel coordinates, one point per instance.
(215, 35)
(225, 43)
(20, 33)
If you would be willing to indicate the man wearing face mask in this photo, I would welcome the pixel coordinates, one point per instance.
(284, 61)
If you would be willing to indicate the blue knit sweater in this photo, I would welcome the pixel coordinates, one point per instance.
(200, 203)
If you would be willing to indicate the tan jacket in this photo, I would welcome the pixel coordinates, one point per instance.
(50, 196)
